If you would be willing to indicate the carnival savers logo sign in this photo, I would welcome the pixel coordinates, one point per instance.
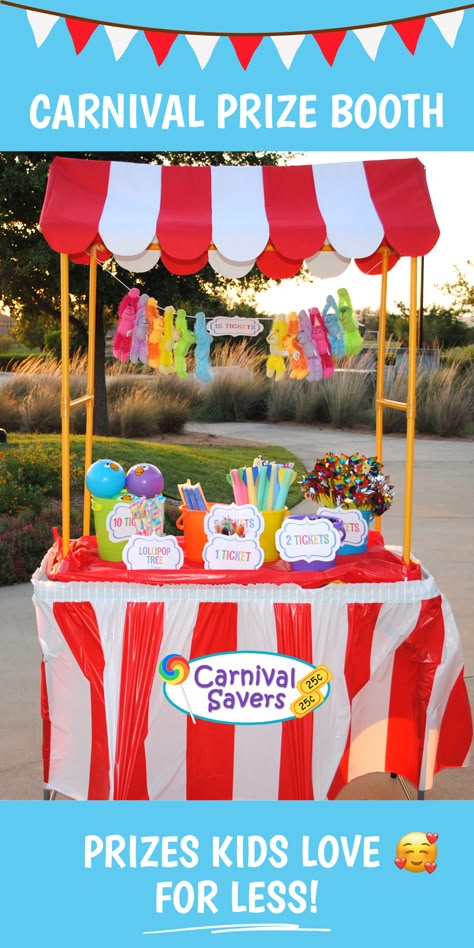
(248, 688)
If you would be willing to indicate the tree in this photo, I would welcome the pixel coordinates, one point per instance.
(441, 327)
(29, 269)
(461, 290)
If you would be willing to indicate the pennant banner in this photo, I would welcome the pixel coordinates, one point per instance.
(245, 46)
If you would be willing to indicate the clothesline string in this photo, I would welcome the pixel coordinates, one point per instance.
(162, 308)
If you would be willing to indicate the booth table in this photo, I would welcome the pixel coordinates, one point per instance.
(398, 701)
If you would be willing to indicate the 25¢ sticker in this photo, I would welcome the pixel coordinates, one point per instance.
(315, 679)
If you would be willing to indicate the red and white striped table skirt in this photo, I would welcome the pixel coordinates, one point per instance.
(398, 700)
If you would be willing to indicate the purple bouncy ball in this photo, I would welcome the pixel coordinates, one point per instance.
(144, 480)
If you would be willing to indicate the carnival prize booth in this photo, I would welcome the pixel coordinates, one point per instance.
(179, 679)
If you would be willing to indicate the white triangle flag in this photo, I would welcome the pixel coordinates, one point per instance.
(448, 24)
(370, 37)
(120, 38)
(41, 24)
(287, 47)
(203, 47)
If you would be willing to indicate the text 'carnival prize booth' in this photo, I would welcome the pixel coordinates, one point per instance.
(150, 676)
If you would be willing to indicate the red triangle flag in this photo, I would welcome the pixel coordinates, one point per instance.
(160, 43)
(410, 31)
(245, 47)
(81, 32)
(329, 43)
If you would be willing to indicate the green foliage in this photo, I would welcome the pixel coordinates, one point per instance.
(233, 396)
(24, 544)
(30, 483)
(347, 396)
(462, 356)
(444, 402)
(8, 360)
(10, 414)
(442, 327)
(29, 472)
(143, 413)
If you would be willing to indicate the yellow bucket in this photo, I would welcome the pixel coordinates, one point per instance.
(273, 520)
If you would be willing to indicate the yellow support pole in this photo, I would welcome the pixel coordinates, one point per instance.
(380, 386)
(86, 517)
(411, 410)
(65, 405)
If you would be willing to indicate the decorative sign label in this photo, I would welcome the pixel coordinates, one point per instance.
(234, 326)
(235, 552)
(153, 552)
(246, 514)
(244, 687)
(307, 539)
(120, 524)
(356, 527)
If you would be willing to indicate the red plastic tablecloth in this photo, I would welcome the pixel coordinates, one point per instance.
(377, 565)
(398, 700)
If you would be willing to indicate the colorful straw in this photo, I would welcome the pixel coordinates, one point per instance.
(192, 496)
(265, 485)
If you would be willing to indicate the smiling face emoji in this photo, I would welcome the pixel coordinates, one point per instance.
(416, 852)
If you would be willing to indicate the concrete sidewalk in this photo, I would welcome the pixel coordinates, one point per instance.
(442, 539)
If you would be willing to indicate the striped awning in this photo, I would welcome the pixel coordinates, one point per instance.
(278, 217)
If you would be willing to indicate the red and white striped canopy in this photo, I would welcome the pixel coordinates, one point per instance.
(232, 217)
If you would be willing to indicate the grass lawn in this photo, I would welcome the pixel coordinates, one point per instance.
(206, 465)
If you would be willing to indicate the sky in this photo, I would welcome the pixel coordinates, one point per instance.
(450, 178)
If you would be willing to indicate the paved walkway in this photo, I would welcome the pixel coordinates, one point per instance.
(443, 533)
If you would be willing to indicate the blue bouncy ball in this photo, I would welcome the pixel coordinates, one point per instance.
(105, 478)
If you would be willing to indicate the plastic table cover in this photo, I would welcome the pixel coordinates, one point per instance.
(398, 699)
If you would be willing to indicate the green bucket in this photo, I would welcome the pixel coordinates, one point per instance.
(114, 524)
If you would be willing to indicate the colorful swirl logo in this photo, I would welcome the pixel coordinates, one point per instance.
(174, 669)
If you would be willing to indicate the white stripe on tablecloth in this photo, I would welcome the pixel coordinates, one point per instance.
(331, 721)
(165, 745)
(445, 677)
(353, 226)
(111, 623)
(130, 214)
(257, 747)
(240, 228)
(69, 710)
(370, 707)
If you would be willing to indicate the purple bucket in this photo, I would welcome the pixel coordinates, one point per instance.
(303, 565)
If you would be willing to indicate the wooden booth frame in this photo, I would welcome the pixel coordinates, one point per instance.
(381, 402)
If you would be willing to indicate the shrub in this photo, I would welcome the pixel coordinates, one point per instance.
(10, 414)
(23, 545)
(40, 409)
(347, 396)
(230, 397)
(461, 355)
(172, 414)
(133, 415)
(281, 401)
(444, 402)
(118, 386)
(143, 412)
(311, 405)
(239, 355)
(28, 475)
